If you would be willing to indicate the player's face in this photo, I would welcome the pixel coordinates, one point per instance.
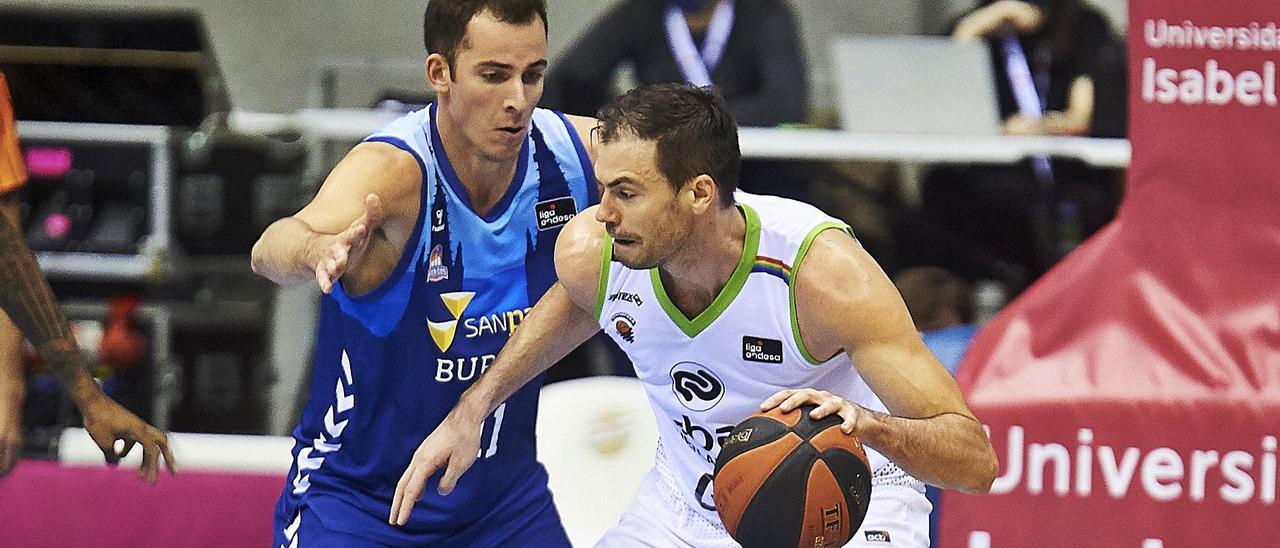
(647, 219)
(496, 83)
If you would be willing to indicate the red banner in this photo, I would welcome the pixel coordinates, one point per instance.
(1091, 476)
(1132, 393)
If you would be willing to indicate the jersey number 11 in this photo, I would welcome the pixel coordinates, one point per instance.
(492, 449)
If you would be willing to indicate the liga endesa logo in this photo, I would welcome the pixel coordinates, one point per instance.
(1240, 475)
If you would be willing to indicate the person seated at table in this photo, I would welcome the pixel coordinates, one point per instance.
(1022, 218)
(1044, 57)
(749, 50)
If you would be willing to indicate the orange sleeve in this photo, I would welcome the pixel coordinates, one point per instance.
(12, 173)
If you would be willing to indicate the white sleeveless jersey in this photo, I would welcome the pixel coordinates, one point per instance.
(704, 375)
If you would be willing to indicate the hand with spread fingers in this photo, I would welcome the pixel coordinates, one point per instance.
(828, 403)
(334, 254)
(106, 421)
(453, 446)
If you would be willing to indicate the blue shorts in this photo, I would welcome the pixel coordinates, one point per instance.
(537, 527)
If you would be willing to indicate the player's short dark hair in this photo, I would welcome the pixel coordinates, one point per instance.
(444, 23)
(693, 128)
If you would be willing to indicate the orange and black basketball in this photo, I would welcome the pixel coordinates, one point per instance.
(784, 479)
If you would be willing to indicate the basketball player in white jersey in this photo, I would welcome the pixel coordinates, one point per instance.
(728, 304)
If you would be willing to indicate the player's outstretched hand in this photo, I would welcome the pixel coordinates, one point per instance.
(828, 403)
(453, 446)
(334, 254)
(106, 421)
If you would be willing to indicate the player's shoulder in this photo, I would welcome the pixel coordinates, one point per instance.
(582, 236)
(835, 272)
(415, 122)
(820, 248)
(411, 133)
(579, 251)
(382, 161)
(785, 221)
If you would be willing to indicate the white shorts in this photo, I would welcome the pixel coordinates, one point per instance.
(898, 517)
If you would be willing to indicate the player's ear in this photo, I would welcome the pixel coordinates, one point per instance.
(703, 193)
(438, 73)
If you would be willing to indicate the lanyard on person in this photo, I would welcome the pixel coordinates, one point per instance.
(695, 65)
(1023, 85)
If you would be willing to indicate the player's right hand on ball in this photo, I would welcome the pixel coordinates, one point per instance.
(453, 446)
(335, 253)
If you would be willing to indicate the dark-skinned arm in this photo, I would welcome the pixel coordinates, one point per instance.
(26, 297)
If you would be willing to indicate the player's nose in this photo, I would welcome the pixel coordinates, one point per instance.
(516, 96)
(605, 212)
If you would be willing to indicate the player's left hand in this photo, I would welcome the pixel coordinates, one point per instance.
(454, 446)
(106, 421)
(828, 403)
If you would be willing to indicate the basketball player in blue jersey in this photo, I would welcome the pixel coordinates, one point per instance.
(727, 304)
(431, 240)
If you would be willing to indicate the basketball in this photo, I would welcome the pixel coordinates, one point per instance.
(784, 479)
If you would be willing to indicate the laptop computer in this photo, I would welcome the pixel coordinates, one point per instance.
(915, 84)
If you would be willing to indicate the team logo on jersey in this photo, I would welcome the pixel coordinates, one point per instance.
(436, 270)
(625, 325)
(695, 386)
(553, 213)
(437, 224)
(443, 332)
(877, 536)
(760, 349)
(626, 297)
(494, 323)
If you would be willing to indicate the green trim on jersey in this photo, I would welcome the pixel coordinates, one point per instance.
(795, 275)
(606, 257)
(728, 293)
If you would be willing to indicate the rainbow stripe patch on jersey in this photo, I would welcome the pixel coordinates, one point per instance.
(771, 266)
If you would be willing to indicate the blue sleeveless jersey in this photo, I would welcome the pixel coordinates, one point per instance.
(392, 363)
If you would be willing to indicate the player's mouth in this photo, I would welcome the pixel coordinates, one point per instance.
(513, 131)
(625, 241)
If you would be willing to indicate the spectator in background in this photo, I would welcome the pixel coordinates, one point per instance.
(1045, 56)
(749, 49)
(941, 304)
(1048, 49)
